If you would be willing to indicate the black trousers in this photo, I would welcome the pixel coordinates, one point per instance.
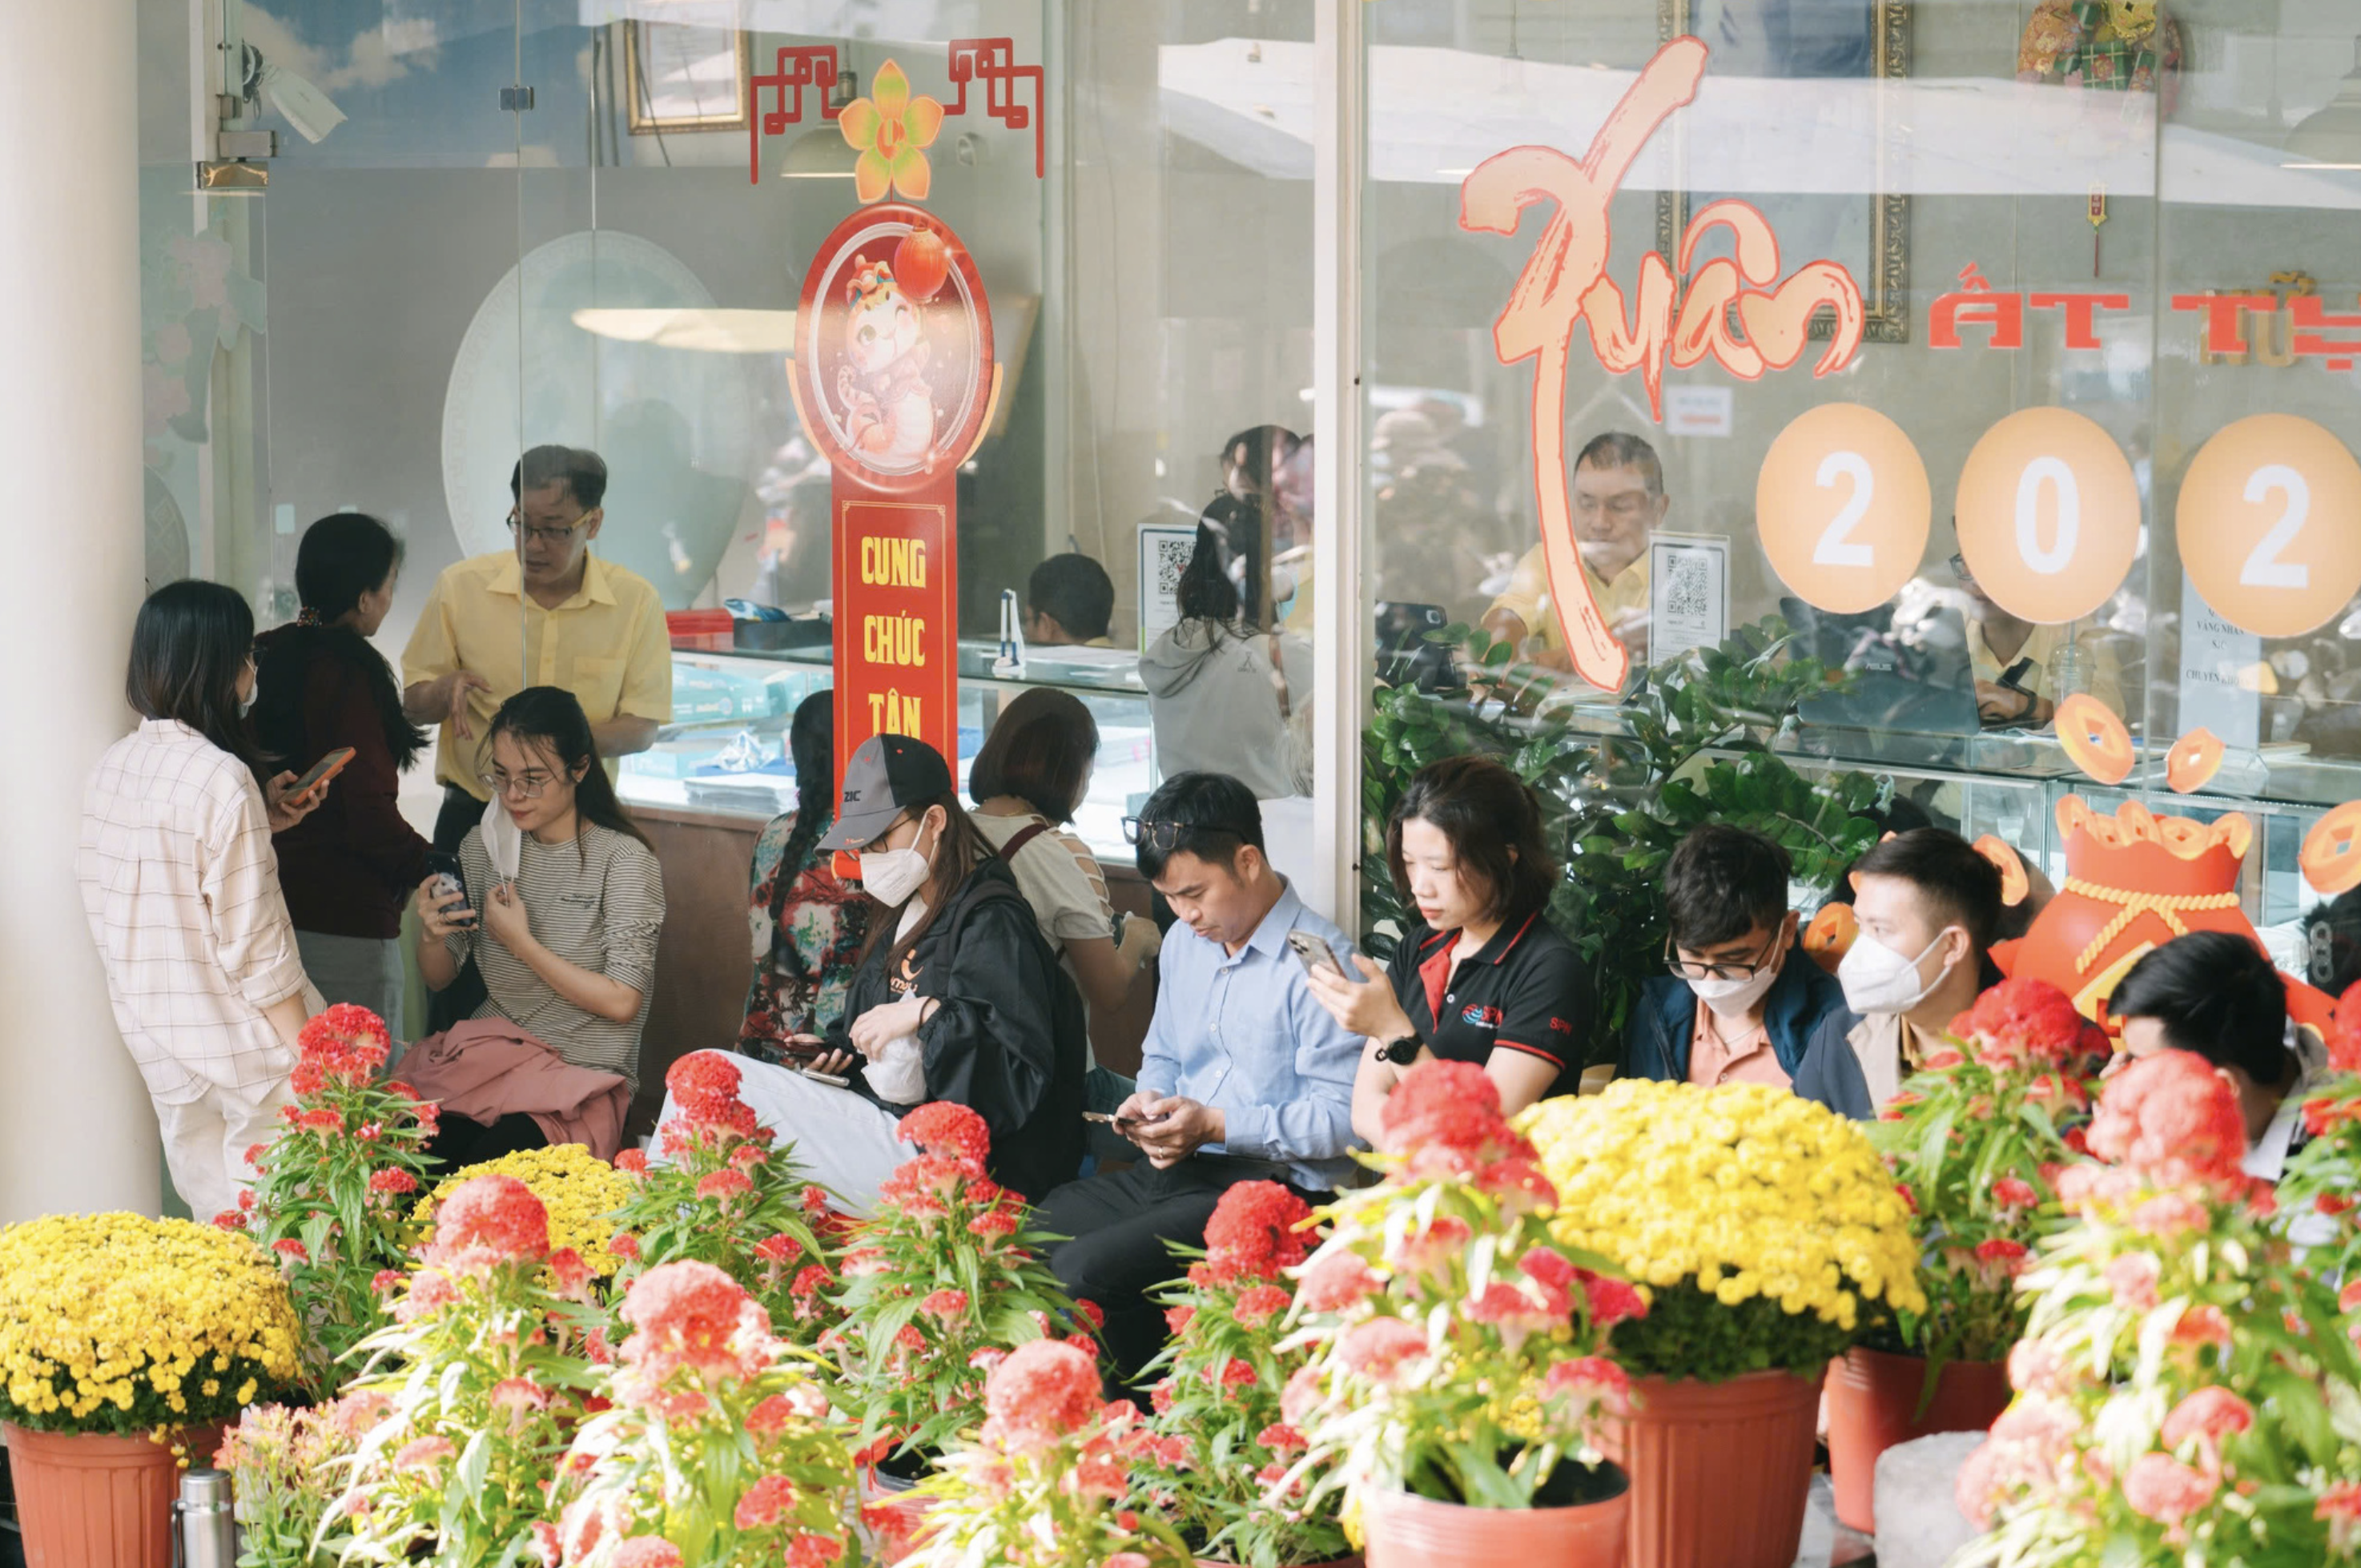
(456, 1001)
(1119, 1222)
(460, 1141)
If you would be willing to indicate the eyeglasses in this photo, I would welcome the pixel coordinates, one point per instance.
(524, 787)
(556, 538)
(1746, 970)
(1959, 568)
(1155, 835)
(1622, 508)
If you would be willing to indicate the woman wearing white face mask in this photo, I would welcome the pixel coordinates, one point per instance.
(1732, 947)
(957, 997)
(1928, 906)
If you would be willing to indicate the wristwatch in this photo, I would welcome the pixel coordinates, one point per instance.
(1401, 1052)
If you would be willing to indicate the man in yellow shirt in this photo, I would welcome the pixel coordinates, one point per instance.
(549, 613)
(1997, 640)
(1619, 502)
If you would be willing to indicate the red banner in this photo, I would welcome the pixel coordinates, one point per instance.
(897, 583)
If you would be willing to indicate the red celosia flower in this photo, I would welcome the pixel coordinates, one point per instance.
(2164, 1489)
(2021, 1023)
(944, 1304)
(810, 1280)
(491, 1219)
(648, 1552)
(1044, 1391)
(288, 1246)
(1280, 1438)
(1587, 1377)
(689, 1314)
(910, 1339)
(765, 1501)
(623, 1245)
(1376, 1349)
(2013, 1193)
(813, 1551)
(1612, 1300)
(392, 1180)
(571, 1273)
(999, 1222)
(1260, 1305)
(1252, 1231)
(1335, 1282)
(2133, 1278)
(703, 1081)
(632, 1162)
(1452, 1106)
(1161, 1397)
(2003, 1254)
(254, 1153)
(1236, 1373)
(2341, 1506)
(518, 1396)
(724, 1185)
(2204, 1326)
(780, 1247)
(2212, 1413)
(420, 1453)
(321, 1120)
(2173, 1120)
(386, 1279)
(946, 1127)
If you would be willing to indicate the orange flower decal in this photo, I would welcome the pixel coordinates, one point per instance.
(891, 132)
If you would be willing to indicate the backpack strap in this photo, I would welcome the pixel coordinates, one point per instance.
(1021, 838)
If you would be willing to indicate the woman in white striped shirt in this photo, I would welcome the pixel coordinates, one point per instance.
(180, 886)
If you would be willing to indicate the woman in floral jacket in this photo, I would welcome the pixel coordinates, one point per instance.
(808, 926)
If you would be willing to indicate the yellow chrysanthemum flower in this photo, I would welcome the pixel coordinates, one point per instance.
(580, 1190)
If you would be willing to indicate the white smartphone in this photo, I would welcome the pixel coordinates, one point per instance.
(1313, 951)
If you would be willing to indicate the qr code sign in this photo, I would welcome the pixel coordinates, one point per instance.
(1171, 560)
(1688, 586)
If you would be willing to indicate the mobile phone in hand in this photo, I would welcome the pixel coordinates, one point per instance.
(1108, 1118)
(444, 869)
(323, 770)
(1313, 951)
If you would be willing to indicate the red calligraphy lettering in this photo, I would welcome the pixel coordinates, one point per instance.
(2082, 328)
(2313, 322)
(1975, 303)
(2223, 317)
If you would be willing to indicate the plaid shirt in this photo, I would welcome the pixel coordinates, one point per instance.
(182, 888)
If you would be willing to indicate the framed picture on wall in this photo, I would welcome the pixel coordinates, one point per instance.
(1867, 231)
(689, 73)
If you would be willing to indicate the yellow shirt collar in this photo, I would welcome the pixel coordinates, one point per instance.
(597, 587)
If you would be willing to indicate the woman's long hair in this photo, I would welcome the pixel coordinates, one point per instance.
(189, 647)
(549, 719)
(1041, 750)
(1493, 819)
(343, 556)
(811, 742)
(961, 847)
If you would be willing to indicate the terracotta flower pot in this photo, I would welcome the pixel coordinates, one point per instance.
(1874, 1404)
(90, 1500)
(1407, 1531)
(1720, 1471)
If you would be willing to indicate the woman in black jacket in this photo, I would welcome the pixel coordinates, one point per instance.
(957, 998)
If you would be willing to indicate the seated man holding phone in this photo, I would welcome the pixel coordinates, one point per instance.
(1244, 1076)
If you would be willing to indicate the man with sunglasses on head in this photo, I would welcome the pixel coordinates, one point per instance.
(1244, 1076)
(1743, 999)
(588, 626)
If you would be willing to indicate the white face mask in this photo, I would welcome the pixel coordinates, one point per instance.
(1736, 998)
(891, 876)
(1876, 979)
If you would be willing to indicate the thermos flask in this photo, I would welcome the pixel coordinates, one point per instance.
(205, 1532)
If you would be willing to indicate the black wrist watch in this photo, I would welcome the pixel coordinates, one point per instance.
(1401, 1052)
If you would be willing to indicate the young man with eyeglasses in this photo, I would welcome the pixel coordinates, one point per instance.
(1743, 999)
(587, 625)
(1242, 1077)
(1619, 503)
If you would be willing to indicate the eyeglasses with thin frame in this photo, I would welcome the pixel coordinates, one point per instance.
(1959, 568)
(1747, 970)
(1155, 835)
(554, 537)
(529, 786)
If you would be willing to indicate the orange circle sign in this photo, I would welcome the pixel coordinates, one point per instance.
(2049, 515)
(2269, 524)
(1843, 507)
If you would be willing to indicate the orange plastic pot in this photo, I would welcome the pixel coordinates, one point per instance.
(1720, 1471)
(1874, 1404)
(93, 1500)
(1407, 1531)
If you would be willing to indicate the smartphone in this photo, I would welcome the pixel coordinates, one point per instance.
(444, 868)
(326, 768)
(1109, 1118)
(831, 1080)
(1313, 950)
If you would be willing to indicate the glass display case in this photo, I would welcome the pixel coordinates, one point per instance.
(726, 749)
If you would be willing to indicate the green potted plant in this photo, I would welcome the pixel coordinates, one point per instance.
(1975, 1138)
(120, 1338)
(1770, 1238)
(2185, 1390)
(1219, 1441)
(283, 1462)
(939, 1284)
(1455, 1375)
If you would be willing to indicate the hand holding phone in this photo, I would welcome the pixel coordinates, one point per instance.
(323, 770)
(1313, 951)
(443, 897)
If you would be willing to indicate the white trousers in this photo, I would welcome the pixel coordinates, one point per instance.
(840, 1140)
(206, 1143)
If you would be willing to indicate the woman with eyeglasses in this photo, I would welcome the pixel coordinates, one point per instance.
(567, 945)
(1482, 976)
(180, 886)
(1732, 948)
(320, 688)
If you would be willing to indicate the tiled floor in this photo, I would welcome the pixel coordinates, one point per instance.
(1826, 1543)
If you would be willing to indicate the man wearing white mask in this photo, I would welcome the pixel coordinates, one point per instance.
(1928, 906)
(1732, 948)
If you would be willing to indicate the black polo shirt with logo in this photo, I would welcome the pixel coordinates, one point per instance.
(1526, 989)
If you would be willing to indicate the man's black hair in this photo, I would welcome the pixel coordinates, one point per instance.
(1723, 881)
(1947, 870)
(1075, 591)
(2216, 996)
(580, 470)
(1214, 815)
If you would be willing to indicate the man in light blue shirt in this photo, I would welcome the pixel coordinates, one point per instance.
(1244, 1076)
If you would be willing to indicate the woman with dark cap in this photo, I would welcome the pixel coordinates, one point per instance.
(348, 868)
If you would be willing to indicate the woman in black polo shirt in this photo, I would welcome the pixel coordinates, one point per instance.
(1483, 977)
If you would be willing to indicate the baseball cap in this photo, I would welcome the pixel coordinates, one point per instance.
(885, 774)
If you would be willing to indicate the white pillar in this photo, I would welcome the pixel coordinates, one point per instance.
(76, 1131)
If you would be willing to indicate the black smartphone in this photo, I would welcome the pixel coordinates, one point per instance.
(443, 868)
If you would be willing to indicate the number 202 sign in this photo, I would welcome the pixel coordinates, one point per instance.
(2269, 524)
(1843, 508)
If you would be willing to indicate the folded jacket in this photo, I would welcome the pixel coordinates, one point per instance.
(486, 1068)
